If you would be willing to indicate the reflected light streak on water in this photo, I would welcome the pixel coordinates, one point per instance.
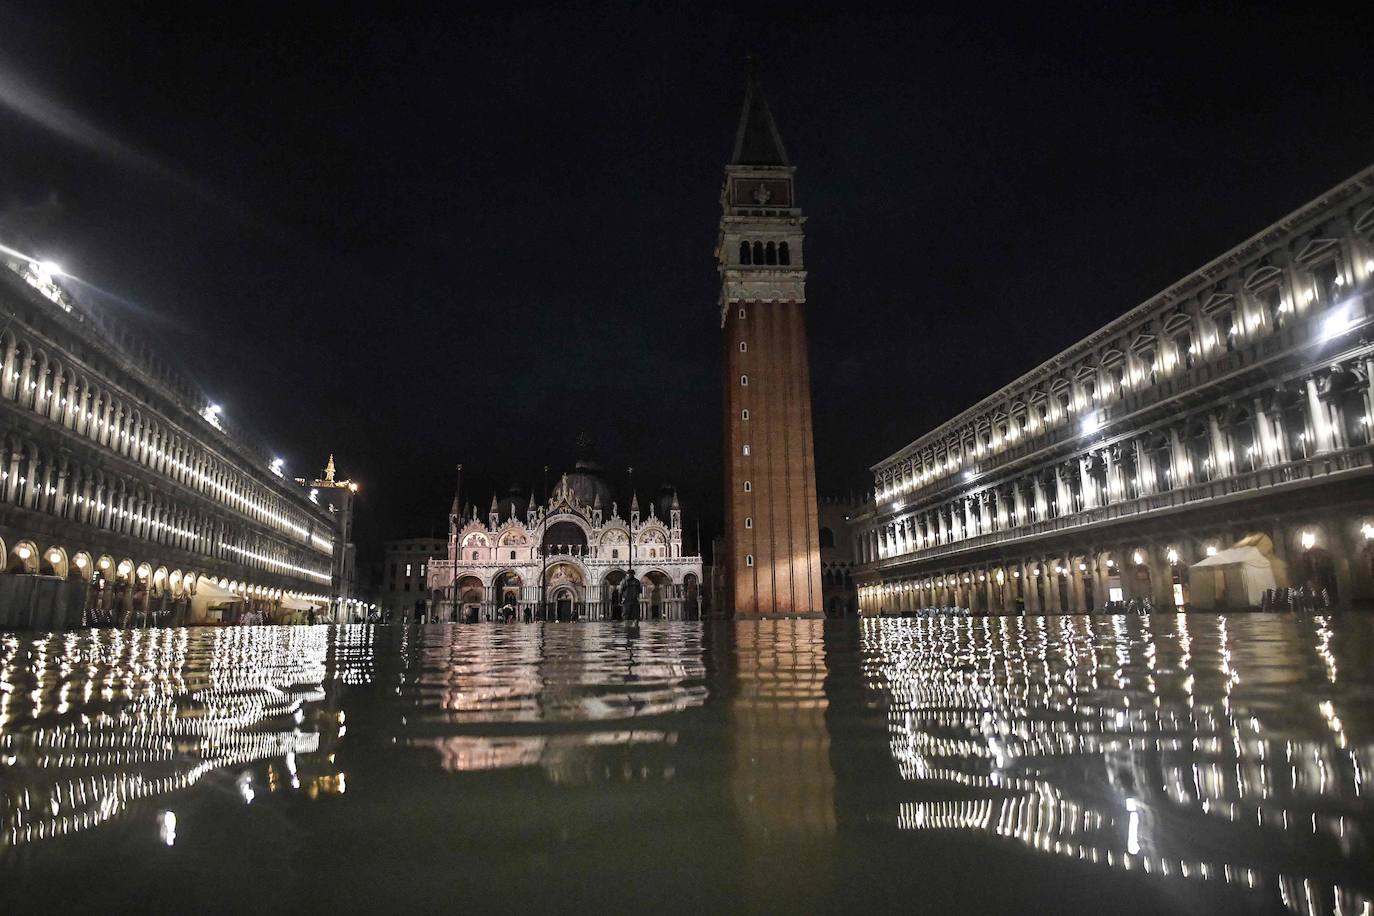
(1179, 762)
(1198, 756)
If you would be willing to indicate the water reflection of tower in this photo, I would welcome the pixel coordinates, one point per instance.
(783, 785)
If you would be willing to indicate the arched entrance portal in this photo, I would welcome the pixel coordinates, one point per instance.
(563, 604)
(469, 600)
(564, 590)
(658, 595)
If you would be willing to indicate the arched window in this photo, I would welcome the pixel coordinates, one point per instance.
(748, 521)
(744, 253)
(748, 559)
(748, 486)
(758, 252)
(771, 253)
(474, 554)
(827, 538)
(744, 380)
(784, 257)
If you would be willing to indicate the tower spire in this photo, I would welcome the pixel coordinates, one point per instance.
(756, 139)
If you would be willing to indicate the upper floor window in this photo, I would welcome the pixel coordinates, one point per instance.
(744, 380)
(744, 253)
(758, 252)
(474, 554)
(746, 451)
(1271, 301)
(1226, 329)
(784, 256)
(1327, 280)
(743, 347)
(748, 487)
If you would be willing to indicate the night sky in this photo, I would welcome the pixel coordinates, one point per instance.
(470, 234)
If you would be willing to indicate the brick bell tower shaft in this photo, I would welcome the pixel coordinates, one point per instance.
(772, 530)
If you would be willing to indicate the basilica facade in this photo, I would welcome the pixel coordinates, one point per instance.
(566, 559)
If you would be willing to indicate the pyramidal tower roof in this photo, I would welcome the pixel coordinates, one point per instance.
(757, 141)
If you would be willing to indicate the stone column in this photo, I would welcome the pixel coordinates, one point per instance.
(1321, 429)
(1161, 578)
(1184, 472)
(1342, 553)
(1104, 576)
(1221, 452)
(1085, 482)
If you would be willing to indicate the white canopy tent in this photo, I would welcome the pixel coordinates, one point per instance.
(210, 595)
(1231, 579)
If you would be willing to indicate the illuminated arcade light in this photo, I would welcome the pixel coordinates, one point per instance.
(1172, 556)
(1367, 529)
(167, 827)
(80, 562)
(24, 553)
(1137, 558)
(1308, 540)
(1090, 424)
(1211, 550)
(277, 465)
(54, 557)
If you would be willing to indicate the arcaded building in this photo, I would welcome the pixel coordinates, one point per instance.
(126, 496)
(567, 558)
(1209, 448)
(772, 557)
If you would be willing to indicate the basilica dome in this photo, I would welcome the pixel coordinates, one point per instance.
(588, 481)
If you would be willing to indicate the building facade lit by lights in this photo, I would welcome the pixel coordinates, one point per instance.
(1209, 446)
(128, 496)
(566, 559)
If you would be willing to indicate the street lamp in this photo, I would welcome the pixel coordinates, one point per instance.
(544, 551)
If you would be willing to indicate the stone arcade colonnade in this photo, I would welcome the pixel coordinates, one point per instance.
(1236, 403)
(112, 473)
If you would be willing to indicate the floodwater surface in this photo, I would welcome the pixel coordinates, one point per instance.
(1181, 763)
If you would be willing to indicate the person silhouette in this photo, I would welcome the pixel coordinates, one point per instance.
(629, 599)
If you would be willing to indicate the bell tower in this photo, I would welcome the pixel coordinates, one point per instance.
(772, 529)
